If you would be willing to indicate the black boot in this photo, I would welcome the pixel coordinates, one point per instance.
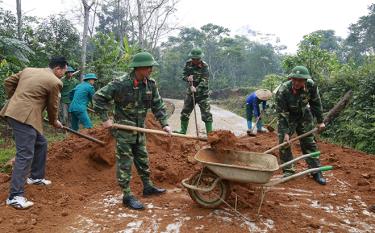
(152, 190)
(318, 177)
(132, 203)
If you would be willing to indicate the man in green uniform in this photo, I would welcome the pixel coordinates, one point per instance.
(297, 102)
(69, 83)
(196, 74)
(133, 95)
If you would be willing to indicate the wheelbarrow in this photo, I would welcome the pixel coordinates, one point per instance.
(210, 187)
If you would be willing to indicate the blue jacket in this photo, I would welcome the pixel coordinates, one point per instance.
(253, 101)
(81, 95)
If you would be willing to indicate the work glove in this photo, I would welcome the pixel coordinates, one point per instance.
(190, 78)
(167, 129)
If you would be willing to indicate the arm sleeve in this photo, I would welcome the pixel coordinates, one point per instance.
(158, 108)
(256, 108)
(10, 84)
(53, 103)
(264, 105)
(185, 74)
(203, 79)
(316, 104)
(102, 99)
(71, 94)
(282, 113)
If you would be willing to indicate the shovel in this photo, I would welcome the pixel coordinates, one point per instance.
(153, 131)
(81, 135)
(251, 132)
(195, 111)
(269, 125)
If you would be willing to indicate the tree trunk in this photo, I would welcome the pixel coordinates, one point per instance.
(86, 17)
(140, 24)
(19, 20)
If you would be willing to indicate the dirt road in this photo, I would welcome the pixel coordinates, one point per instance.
(223, 119)
(85, 197)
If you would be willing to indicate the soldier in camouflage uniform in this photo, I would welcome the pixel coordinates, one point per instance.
(196, 74)
(297, 101)
(69, 83)
(133, 95)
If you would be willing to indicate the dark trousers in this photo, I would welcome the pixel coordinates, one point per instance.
(31, 153)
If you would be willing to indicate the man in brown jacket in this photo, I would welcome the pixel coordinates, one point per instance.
(30, 92)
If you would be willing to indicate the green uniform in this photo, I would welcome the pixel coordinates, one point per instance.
(296, 109)
(200, 74)
(68, 85)
(132, 100)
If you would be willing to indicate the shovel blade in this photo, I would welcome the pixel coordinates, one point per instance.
(269, 128)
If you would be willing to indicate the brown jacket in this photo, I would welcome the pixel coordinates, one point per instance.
(30, 92)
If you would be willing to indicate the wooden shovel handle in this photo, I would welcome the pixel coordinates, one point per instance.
(84, 136)
(153, 131)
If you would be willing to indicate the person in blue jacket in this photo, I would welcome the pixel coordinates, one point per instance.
(252, 108)
(81, 96)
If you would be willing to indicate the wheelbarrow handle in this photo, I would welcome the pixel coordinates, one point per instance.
(314, 155)
(308, 171)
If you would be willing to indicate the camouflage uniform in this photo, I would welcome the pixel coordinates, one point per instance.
(295, 114)
(132, 101)
(200, 74)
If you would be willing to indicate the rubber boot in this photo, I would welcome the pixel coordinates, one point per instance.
(260, 128)
(208, 126)
(184, 126)
(318, 177)
(132, 202)
(152, 190)
(249, 124)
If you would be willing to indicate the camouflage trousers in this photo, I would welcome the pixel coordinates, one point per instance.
(308, 144)
(64, 114)
(204, 106)
(126, 154)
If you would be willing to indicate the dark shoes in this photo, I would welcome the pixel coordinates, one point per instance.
(318, 177)
(132, 203)
(152, 190)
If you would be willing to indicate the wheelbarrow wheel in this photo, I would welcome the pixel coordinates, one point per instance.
(211, 199)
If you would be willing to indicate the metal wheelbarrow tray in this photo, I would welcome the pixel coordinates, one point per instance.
(239, 166)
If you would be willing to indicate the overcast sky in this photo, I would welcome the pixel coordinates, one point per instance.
(287, 19)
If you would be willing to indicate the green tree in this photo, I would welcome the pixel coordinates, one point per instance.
(54, 36)
(361, 39)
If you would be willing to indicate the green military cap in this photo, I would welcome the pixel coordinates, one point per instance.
(196, 53)
(89, 76)
(300, 72)
(70, 69)
(143, 59)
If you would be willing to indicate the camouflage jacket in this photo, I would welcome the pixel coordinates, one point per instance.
(132, 100)
(293, 107)
(200, 74)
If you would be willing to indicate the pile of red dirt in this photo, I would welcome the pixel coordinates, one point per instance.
(80, 169)
(222, 140)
